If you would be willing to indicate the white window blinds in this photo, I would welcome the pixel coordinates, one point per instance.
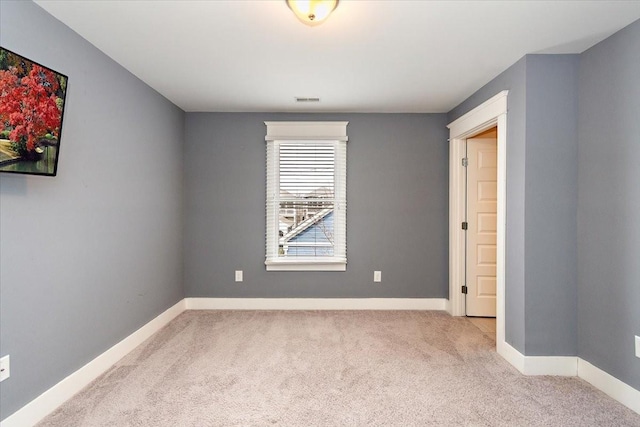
(306, 196)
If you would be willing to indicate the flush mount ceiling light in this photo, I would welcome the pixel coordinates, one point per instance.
(312, 12)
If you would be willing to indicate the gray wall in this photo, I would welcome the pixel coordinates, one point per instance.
(91, 255)
(541, 201)
(608, 205)
(397, 208)
(550, 205)
(513, 80)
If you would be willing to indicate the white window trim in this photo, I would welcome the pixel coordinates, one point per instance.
(306, 131)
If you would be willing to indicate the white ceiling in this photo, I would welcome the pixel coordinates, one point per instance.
(370, 56)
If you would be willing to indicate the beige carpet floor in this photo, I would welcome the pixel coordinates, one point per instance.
(320, 368)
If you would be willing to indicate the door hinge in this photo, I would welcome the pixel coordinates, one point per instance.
(465, 225)
(465, 162)
(464, 289)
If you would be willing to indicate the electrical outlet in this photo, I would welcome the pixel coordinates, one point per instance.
(377, 276)
(637, 346)
(4, 368)
(238, 275)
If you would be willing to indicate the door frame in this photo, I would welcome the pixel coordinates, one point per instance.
(491, 113)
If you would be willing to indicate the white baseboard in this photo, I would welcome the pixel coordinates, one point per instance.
(511, 355)
(562, 366)
(620, 391)
(316, 303)
(48, 401)
(570, 366)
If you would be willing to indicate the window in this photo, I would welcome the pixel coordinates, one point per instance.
(306, 196)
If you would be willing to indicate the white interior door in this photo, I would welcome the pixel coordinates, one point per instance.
(482, 204)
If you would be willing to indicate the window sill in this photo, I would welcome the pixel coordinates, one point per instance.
(330, 264)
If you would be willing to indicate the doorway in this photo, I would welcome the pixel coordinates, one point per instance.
(491, 114)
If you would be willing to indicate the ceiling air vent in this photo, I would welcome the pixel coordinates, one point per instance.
(305, 99)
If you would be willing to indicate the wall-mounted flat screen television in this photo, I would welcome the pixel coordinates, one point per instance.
(32, 101)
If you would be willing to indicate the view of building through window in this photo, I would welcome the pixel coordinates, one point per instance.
(307, 199)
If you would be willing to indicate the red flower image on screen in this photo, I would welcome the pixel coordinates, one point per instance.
(31, 107)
